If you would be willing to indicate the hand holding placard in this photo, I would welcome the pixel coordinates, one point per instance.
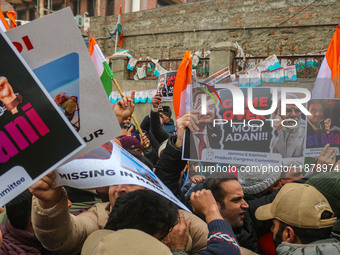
(44, 191)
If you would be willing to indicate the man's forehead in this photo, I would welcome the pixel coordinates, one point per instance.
(232, 188)
(210, 100)
(136, 186)
(292, 106)
(316, 105)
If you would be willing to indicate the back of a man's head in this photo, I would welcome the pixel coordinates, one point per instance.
(19, 210)
(309, 235)
(302, 208)
(329, 185)
(144, 210)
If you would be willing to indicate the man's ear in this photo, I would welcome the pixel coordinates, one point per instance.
(288, 235)
(219, 206)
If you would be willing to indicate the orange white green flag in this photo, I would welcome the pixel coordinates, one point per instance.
(11, 15)
(327, 82)
(103, 69)
(181, 93)
(3, 23)
(118, 29)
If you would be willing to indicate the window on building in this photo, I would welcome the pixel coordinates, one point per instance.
(57, 7)
(21, 15)
(31, 14)
(76, 7)
(161, 3)
(109, 7)
(90, 7)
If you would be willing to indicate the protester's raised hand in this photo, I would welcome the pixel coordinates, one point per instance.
(326, 158)
(188, 120)
(204, 203)
(2, 209)
(156, 100)
(144, 140)
(197, 179)
(179, 236)
(328, 123)
(124, 107)
(46, 193)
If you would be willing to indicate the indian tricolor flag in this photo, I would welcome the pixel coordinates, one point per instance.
(3, 23)
(181, 93)
(11, 15)
(103, 68)
(118, 29)
(327, 81)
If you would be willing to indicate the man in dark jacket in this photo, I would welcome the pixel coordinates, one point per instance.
(234, 210)
(18, 234)
(163, 112)
(168, 122)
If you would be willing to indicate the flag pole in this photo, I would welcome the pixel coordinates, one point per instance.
(116, 41)
(132, 115)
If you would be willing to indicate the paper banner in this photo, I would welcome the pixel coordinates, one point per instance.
(101, 168)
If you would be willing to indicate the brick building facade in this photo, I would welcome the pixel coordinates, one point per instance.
(255, 24)
(29, 9)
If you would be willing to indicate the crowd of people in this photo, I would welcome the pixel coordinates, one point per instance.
(246, 213)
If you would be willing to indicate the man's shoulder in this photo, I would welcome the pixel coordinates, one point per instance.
(324, 247)
(98, 212)
(302, 124)
(102, 207)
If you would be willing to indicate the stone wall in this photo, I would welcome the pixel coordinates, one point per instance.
(199, 25)
(254, 24)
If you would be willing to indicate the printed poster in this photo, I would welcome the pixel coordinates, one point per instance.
(35, 136)
(323, 127)
(222, 76)
(166, 83)
(101, 168)
(165, 86)
(248, 138)
(54, 48)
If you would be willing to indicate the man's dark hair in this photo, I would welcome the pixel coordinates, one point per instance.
(166, 109)
(197, 92)
(309, 235)
(142, 158)
(19, 210)
(317, 101)
(214, 182)
(144, 210)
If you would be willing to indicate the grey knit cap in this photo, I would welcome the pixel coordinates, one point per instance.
(329, 185)
(254, 182)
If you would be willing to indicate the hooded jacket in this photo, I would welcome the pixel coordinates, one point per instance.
(329, 246)
(18, 241)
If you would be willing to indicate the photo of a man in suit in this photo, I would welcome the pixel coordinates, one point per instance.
(207, 136)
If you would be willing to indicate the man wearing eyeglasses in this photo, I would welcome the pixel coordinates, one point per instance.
(289, 134)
